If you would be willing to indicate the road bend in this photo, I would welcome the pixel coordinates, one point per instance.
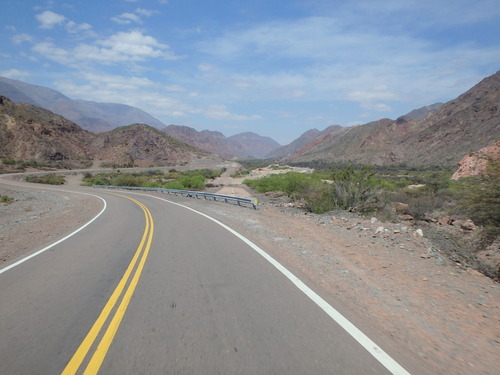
(151, 287)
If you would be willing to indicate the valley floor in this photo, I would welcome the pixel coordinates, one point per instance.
(440, 317)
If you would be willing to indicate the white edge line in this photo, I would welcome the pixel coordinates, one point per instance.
(59, 241)
(378, 353)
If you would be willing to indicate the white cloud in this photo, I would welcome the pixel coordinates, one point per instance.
(127, 18)
(140, 92)
(132, 46)
(220, 112)
(50, 51)
(21, 38)
(146, 12)
(48, 19)
(73, 27)
(14, 73)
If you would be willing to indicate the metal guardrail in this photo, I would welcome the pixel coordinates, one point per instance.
(188, 193)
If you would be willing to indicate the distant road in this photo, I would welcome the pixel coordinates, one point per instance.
(151, 287)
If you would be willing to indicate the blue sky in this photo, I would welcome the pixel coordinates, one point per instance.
(274, 67)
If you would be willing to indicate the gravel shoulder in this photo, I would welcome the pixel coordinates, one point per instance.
(442, 317)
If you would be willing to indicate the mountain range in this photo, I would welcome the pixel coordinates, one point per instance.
(438, 134)
(28, 132)
(244, 145)
(102, 117)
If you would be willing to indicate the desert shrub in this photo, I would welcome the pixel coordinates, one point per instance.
(318, 198)
(353, 187)
(479, 198)
(50, 179)
(9, 161)
(125, 179)
(292, 183)
(6, 199)
(196, 182)
(175, 184)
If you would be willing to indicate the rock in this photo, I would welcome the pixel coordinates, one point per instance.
(379, 230)
(445, 220)
(401, 208)
(475, 163)
(418, 233)
(467, 225)
(373, 220)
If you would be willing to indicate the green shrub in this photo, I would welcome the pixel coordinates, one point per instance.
(176, 184)
(352, 187)
(6, 199)
(50, 179)
(479, 198)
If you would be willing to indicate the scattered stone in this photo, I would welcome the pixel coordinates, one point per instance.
(467, 225)
(373, 220)
(405, 217)
(379, 230)
(418, 233)
(445, 220)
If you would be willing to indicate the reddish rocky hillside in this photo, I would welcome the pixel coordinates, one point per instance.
(306, 141)
(443, 137)
(28, 132)
(475, 163)
(142, 145)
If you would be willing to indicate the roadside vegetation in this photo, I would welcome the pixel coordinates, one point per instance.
(8, 165)
(6, 199)
(394, 193)
(15, 165)
(50, 179)
(185, 180)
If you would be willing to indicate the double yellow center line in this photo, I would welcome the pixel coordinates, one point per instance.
(122, 291)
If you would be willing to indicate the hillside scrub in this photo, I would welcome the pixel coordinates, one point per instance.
(186, 180)
(340, 188)
(479, 198)
(50, 179)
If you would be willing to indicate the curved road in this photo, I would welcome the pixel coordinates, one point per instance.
(151, 287)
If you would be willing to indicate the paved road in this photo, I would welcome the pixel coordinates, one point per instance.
(198, 300)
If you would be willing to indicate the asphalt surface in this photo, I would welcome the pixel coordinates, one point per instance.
(202, 302)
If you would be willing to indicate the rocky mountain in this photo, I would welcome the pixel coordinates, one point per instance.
(244, 145)
(93, 116)
(29, 132)
(142, 145)
(253, 145)
(442, 137)
(305, 141)
(32, 133)
(420, 113)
